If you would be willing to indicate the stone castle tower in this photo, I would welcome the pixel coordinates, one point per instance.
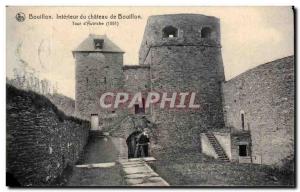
(179, 53)
(184, 54)
(98, 69)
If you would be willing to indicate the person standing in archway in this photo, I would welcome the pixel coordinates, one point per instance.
(143, 144)
(132, 142)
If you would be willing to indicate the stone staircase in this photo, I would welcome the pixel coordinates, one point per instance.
(217, 147)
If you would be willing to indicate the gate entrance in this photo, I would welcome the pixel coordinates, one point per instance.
(138, 145)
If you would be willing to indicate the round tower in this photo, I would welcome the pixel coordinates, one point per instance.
(184, 54)
(98, 69)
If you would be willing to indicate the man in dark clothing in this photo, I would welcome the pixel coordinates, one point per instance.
(132, 144)
(143, 145)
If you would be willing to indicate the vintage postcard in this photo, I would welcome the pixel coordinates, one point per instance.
(150, 96)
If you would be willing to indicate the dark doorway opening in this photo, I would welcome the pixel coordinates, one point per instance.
(242, 150)
(132, 144)
(138, 145)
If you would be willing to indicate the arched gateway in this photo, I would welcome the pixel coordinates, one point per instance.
(138, 144)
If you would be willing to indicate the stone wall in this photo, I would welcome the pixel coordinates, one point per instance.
(186, 62)
(187, 69)
(41, 140)
(134, 123)
(265, 95)
(137, 79)
(131, 124)
(189, 28)
(63, 103)
(96, 73)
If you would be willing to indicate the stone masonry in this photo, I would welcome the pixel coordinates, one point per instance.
(41, 140)
(96, 72)
(265, 95)
(182, 53)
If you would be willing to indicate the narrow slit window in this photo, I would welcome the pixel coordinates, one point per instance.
(243, 121)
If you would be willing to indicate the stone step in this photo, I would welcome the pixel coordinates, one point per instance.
(139, 173)
(219, 149)
(97, 134)
(97, 165)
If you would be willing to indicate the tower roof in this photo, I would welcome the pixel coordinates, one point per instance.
(106, 45)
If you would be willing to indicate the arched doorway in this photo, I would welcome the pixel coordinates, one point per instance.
(131, 143)
(138, 144)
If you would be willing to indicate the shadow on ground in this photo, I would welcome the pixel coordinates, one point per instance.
(98, 150)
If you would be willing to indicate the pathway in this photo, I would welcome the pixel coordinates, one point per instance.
(105, 163)
(139, 173)
(98, 166)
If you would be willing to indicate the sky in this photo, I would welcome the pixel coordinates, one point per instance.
(250, 36)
